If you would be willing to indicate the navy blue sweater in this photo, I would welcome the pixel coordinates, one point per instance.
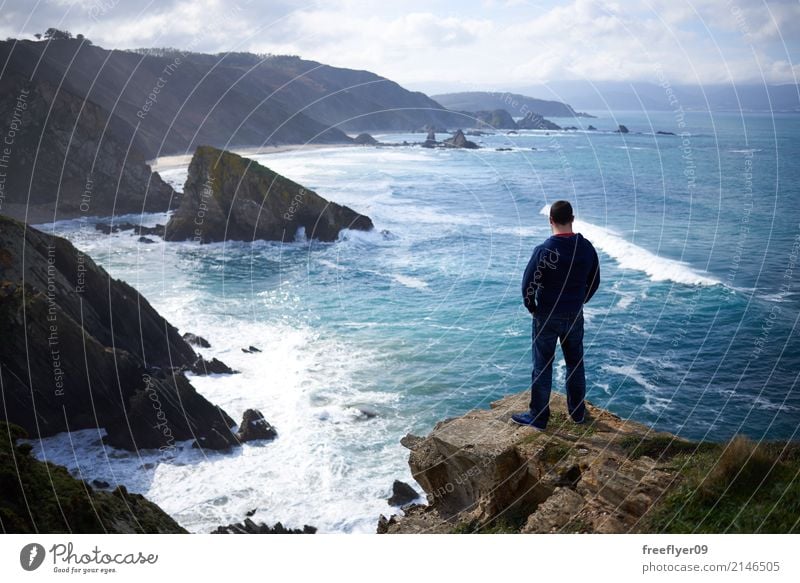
(562, 275)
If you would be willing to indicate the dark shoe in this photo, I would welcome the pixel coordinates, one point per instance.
(525, 419)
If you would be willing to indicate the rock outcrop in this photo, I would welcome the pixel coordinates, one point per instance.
(402, 494)
(255, 426)
(459, 140)
(534, 121)
(228, 197)
(365, 139)
(251, 527)
(430, 140)
(622, 129)
(482, 471)
(81, 350)
(40, 497)
(498, 119)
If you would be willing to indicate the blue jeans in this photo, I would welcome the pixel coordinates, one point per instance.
(546, 330)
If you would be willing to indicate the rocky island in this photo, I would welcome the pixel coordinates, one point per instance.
(228, 197)
(483, 473)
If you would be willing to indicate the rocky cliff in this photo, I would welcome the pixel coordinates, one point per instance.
(39, 497)
(228, 197)
(65, 156)
(483, 473)
(81, 350)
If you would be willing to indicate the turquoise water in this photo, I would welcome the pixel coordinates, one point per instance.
(692, 330)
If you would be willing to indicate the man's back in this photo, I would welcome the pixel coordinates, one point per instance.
(562, 274)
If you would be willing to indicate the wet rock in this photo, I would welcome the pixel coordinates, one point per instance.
(250, 527)
(196, 340)
(460, 141)
(402, 494)
(255, 426)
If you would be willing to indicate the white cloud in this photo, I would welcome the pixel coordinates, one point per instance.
(480, 43)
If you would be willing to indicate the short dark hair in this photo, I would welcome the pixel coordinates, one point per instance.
(561, 212)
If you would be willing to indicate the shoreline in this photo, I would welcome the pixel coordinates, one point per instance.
(173, 161)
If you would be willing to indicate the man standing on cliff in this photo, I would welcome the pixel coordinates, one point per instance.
(562, 275)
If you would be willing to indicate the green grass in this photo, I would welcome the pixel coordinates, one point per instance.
(739, 487)
(661, 446)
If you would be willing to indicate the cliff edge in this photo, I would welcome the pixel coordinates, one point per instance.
(483, 473)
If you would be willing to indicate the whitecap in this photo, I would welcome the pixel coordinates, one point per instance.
(631, 256)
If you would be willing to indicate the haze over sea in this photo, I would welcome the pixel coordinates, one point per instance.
(692, 331)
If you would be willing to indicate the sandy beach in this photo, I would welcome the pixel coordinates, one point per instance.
(175, 161)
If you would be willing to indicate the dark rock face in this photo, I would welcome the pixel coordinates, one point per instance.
(402, 494)
(622, 129)
(214, 366)
(365, 140)
(108, 228)
(69, 154)
(591, 128)
(663, 133)
(250, 527)
(64, 504)
(62, 358)
(534, 121)
(196, 340)
(227, 197)
(254, 426)
(460, 141)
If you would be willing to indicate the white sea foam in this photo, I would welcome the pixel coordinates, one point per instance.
(631, 256)
(652, 400)
(408, 281)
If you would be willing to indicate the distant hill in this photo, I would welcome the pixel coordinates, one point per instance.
(86, 119)
(616, 95)
(516, 104)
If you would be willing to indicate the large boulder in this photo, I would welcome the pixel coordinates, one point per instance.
(402, 494)
(82, 350)
(255, 426)
(228, 197)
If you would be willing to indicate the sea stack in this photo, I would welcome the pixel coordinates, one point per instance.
(460, 141)
(228, 197)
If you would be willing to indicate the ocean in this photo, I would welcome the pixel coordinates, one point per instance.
(693, 329)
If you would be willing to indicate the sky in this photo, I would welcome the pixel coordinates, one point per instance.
(434, 45)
